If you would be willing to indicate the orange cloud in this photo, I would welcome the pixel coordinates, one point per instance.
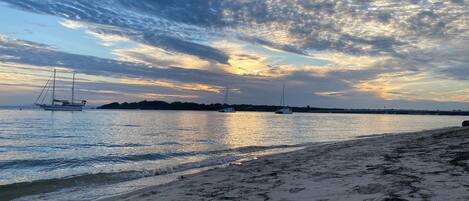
(164, 96)
(174, 85)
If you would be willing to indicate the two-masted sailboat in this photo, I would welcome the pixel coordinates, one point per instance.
(227, 108)
(56, 104)
(285, 109)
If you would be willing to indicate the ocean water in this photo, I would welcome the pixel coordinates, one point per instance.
(99, 153)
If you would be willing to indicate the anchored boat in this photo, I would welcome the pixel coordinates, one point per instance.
(56, 104)
(285, 109)
(227, 108)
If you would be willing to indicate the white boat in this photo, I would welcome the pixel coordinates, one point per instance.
(285, 109)
(56, 104)
(227, 108)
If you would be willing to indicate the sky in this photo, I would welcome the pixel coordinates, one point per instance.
(349, 53)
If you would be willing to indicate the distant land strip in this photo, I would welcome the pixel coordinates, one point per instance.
(161, 105)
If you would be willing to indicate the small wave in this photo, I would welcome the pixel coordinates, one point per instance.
(169, 143)
(8, 148)
(111, 145)
(130, 125)
(16, 190)
(126, 145)
(36, 137)
(209, 141)
(7, 123)
(5, 137)
(186, 129)
(58, 163)
(249, 149)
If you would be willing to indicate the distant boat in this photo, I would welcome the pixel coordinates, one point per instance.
(55, 104)
(285, 109)
(227, 108)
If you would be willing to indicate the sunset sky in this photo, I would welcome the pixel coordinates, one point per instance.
(351, 54)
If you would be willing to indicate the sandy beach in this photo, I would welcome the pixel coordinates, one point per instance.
(426, 165)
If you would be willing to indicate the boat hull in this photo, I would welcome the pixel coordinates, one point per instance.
(284, 111)
(227, 110)
(62, 107)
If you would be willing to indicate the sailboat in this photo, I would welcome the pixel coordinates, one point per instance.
(227, 109)
(285, 109)
(56, 104)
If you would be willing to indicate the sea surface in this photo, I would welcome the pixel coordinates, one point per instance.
(99, 153)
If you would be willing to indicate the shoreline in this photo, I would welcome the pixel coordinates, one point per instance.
(356, 111)
(333, 111)
(424, 165)
(191, 106)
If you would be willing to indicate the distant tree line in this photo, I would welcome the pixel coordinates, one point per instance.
(161, 105)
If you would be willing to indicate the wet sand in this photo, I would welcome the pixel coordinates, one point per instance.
(426, 165)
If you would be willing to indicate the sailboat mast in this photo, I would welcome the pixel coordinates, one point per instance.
(53, 89)
(73, 88)
(283, 95)
(226, 96)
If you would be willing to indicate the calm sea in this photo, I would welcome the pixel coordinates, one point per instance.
(97, 153)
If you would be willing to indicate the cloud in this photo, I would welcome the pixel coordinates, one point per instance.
(173, 85)
(72, 24)
(114, 75)
(347, 26)
(21, 63)
(360, 51)
(160, 58)
(32, 54)
(154, 96)
(174, 44)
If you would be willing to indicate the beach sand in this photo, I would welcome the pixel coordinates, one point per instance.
(427, 165)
